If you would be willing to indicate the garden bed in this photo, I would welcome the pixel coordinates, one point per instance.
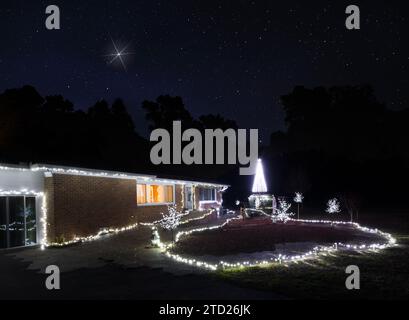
(260, 235)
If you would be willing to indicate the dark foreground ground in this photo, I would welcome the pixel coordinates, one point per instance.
(128, 271)
(116, 282)
(117, 267)
(384, 275)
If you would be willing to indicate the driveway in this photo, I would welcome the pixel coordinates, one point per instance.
(116, 267)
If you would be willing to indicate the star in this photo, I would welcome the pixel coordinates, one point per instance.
(119, 54)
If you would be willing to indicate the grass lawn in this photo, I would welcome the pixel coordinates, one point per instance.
(384, 275)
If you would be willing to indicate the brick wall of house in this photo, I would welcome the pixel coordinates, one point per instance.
(178, 197)
(83, 205)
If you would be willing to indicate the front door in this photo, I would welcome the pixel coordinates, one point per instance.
(188, 197)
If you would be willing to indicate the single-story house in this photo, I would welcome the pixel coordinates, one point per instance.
(45, 204)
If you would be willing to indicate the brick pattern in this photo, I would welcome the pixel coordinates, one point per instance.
(82, 205)
(178, 197)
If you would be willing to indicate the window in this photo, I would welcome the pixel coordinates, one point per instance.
(207, 194)
(141, 193)
(154, 193)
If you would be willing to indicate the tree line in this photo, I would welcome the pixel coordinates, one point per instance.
(339, 141)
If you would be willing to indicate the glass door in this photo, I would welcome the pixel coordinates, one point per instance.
(18, 226)
(16, 221)
(31, 220)
(3, 222)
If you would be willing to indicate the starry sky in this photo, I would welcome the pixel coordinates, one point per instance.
(235, 58)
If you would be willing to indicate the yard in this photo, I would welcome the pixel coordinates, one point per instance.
(384, 275)
(127, 261)
(260, 234)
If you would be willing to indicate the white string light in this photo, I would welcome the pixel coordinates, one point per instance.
(314, 253)
(97, 236)
(259, 183)
(197, 218)
(27, 193)
(333, 206)
(96, 173)
(93, 173)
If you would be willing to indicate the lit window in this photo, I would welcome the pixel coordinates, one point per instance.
(152, 193)
(141, 193)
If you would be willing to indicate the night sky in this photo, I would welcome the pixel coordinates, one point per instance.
(235, 58)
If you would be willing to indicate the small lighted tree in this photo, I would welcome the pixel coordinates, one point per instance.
(298, 198)
(171, 220)
(333, 206)
(257, 203)
(282, 214)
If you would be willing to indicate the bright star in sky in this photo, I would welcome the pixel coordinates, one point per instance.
(119, 54)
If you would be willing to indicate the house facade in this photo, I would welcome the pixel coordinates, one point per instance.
(43, 204)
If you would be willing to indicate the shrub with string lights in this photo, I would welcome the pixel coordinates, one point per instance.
(282, 214)
(298, 198)
(333, 206)
(171, 220)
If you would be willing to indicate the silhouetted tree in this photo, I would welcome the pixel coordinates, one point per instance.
(36, 129)
(165, 110)
(211, 121)
(342, 139)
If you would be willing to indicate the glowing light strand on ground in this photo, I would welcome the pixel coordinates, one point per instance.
(99, 235)
(314, 253)
(197, 218)
(85, 172)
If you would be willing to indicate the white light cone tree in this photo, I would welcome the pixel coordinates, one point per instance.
(259, 183)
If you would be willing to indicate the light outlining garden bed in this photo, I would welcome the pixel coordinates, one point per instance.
(313, 253)
(103, 233)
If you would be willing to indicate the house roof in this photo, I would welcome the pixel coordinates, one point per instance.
(53, 169)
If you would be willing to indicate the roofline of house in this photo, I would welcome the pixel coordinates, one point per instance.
(53, 169)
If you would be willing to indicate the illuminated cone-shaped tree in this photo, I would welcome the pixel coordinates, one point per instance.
(260, 199)
(259, 183)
